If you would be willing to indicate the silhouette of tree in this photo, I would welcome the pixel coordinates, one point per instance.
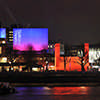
(65, 58)
(83, 58)
(29, 58)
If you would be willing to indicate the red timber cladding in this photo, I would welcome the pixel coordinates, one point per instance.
(86, 50)
(70, 65)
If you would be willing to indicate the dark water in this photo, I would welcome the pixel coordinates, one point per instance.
(54, 93)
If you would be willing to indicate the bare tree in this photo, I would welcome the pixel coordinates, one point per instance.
(82, 59)
(65, 60)
(28, 55)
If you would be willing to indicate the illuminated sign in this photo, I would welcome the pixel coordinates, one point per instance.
(24, 38)
(2, 32)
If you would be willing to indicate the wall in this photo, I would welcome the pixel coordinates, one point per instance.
(72, 63)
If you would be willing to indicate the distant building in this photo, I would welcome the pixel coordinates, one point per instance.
(51, 47)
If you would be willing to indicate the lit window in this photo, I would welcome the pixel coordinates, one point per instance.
(4, 59)
(35, 69)
(10, 34)
(10, 39)
(50, 46)
(7, 69)
(40, 58)
(10, 31)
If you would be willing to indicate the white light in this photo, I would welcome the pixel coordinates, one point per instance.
(95, 66)
(46, 62)
(9, 62)
(4, 59)
(50, 46)
(11, 68)
(52, 66)
(35, 69)
(3, 42)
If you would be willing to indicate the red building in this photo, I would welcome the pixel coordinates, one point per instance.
(73, 63)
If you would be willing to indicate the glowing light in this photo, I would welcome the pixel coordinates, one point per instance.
(51, 66)
(35, 69)
(23, 38)
(4, 59)
(82, 87)
(40, 58)
(46, 88)
(11, 68)
(10, 39)
(7, 69)
(20, 68)
(3, 42)
(95, 66)
(9, 62)
(50, 46)
(70, 90)
(46, 62)
(2, 32)
(10, 31)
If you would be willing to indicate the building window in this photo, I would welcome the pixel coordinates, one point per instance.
(10, 34)
(10, 39)
(50, 46)
(40, 58)
(0, 50)
(10, 31)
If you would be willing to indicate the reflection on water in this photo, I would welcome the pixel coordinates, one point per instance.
(70, 90)
(54, 93)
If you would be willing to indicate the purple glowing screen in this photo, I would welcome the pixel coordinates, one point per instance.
(23, 38)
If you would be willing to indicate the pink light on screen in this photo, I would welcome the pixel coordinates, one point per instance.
(37, 38)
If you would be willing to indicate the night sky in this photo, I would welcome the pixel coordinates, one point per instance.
(73, 21)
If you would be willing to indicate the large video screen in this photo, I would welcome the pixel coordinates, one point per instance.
(2, 32)
(24, 38)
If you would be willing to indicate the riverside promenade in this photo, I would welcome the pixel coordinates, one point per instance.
(51, 78)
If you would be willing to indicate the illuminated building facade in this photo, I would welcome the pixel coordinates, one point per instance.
(12, 60)
(72, 61)
(57, 57)
(51, 47)
(94, 56)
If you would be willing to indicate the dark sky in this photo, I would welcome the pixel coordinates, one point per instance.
(74, 21)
